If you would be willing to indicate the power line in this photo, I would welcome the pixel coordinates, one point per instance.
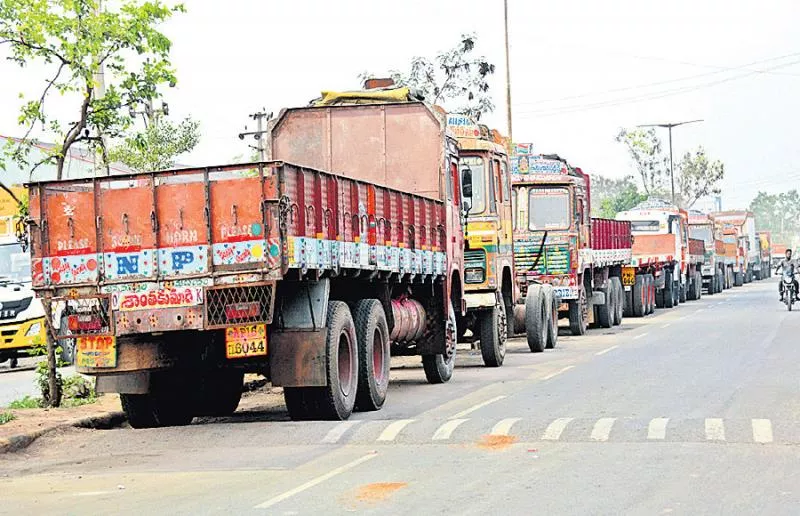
(642, 98)
(668, 81)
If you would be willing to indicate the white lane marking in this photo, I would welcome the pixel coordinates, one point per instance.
(666, 325)
(503, 427)
(606, 350)
(762, 430)
(311, 483)
(476, 407)
(657, 429)
(94, 493)
(563, 370)
(699, 310)
(602, 429)
(555, 429)
(338, 431)
(715, 429)
(446, 430)
(640, 336)
(390, 432)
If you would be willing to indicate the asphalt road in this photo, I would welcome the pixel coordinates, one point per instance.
(694, 410)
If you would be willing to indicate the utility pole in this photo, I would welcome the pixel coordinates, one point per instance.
(100, 91)
(670, 126)
(258, 133)
(508, 72)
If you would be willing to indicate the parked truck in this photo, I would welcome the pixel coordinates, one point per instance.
(488, 257)
(664, 256)
(21, 314)
(702, 227)
(765, 254)
(310, 268)
(778, 252)
(740, 225)
(557, 243)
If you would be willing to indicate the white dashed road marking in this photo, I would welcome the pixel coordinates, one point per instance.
(338, 431)
(555, 429)
(503, 427)
(612, 348)
(446, 430)
(602, 429)
(715, 429)
(476, 407)
(657, 429)
(553, 375)
(390, 432)
(762, 430)
(640, 336)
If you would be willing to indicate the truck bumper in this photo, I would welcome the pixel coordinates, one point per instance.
(21, 336)
(479, 300)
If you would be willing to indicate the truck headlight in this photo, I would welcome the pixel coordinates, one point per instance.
(35, 329)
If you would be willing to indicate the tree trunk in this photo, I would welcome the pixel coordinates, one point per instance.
(54, 391)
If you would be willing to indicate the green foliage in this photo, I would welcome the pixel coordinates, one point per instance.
(79, 388)
(74, 40)
(158, 146)
(43, 383)
(453, 77)
(6, 417)
(27, 402)
(698, 177)
(644, 148)
(778, 214)
(611, 196)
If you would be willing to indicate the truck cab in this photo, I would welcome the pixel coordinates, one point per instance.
(488, 255)
(702, 227)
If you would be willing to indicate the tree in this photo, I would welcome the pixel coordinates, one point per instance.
(158, 146)
(453, 77)
(695, 175)
(644, 148)
(74, 40)
(698, 177)
(611, 196)
(779, 214)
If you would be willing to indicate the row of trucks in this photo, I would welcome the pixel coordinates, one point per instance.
(380, 226)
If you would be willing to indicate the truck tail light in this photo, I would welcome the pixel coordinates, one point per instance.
(237, 311)
(77, 323)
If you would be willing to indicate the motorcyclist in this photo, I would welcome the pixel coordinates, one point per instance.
(788, 264)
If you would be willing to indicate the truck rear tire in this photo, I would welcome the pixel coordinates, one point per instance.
(651, 291)
(493, 336)
(536, 321)
(605, 317)
(552, 328)
(372, 333)
(165, 405)
(683, 290)
(219, 393)
(738, 279)
(618, 293)
(668, 293)
(640, 296)
(439, 368)
(336, 400)
(579, 313)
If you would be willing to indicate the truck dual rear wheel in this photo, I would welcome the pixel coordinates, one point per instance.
(668, 292)
(605, 317)
(579, 313)
(738, 279)
(493, 334)
(439, 368)
(336, 400)
(167, 404)
(219, 392)
(683, 290)
(618, 294)
(372, 333)
(651, 293)
(536, 320)
(640, 296)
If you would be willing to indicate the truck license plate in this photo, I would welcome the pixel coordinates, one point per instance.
(249, 340)
(96, 351)
(628, 276)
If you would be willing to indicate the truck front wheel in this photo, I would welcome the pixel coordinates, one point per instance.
(536, 320)
(579, 313)
(552, 327)
(493, 336)
(335, 401)
(618, 293)
(439, 368)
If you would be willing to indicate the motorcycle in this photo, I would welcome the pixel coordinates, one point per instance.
(789, 294)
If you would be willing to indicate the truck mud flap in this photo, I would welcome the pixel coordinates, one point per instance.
(297, 358)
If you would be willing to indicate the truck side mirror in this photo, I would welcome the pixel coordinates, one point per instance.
(466, 183)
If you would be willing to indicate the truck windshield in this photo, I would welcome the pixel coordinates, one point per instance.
(548, 208)
(476, 165)
(15, 264)
(644, 226)
(702, 233)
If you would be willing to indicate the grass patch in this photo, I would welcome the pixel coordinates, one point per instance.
(5, 417)
(28, 402)
(77, 402)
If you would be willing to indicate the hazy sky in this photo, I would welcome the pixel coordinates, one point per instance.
(580, 70)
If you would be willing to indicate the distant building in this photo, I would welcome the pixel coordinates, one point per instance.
(80, 163)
